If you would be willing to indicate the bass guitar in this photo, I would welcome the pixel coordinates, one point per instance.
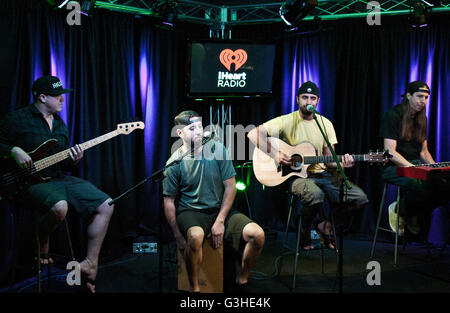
(14, 182)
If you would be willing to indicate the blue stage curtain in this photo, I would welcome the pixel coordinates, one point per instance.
(362, 71)
(121, 69)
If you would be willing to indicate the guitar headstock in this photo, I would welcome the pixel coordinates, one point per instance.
(127, 128)
(378, 156)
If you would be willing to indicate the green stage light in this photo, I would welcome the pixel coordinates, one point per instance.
(240, 186)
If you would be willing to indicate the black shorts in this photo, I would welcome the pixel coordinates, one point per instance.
(205, 218)
(83, 196)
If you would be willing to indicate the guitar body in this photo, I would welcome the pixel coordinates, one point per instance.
(12, 183)
(14, 180)
(270, 173)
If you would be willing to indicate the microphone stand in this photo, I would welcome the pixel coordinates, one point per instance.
(160, 171)
(343, 181)
(158, 176)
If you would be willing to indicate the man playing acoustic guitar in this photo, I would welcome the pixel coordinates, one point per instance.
(24, 130)
(296, 128)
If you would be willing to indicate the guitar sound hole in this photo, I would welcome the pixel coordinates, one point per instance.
(297, 161)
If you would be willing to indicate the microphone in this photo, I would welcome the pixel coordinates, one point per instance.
(310, 108)
(208, 134)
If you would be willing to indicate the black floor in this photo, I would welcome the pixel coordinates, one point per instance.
(416, 272)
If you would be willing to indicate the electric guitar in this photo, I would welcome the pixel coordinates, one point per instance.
(14, 182)
(270, 173)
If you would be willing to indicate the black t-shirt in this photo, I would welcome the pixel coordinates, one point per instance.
(26, 128)
(391, 127)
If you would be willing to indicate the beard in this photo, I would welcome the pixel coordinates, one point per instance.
(195, 142)
(305, 111)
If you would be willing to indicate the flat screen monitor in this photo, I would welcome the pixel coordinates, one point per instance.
(230, 69)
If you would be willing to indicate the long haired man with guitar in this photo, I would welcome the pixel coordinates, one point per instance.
(25, 130)
(404, 132)
(275, 139)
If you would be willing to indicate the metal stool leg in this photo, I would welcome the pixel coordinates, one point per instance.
(398, 228)
(299, 233)
(336, 248)
(38, 259)
(321, 259)
(17, 241)
(69, 240)
(380, 211)
(288, 220)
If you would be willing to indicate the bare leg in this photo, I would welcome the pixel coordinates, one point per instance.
(194, 255)
(254, 237)
(308, 214)
(96, 233)
(47, 224)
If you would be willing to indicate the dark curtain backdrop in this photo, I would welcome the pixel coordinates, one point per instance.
(362, 71)
(123, 68)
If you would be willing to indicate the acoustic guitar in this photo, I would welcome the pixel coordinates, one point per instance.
(270, 173)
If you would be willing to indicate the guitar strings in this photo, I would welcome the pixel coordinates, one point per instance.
(11, 177)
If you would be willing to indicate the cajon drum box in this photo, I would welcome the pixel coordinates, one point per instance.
(211, 270)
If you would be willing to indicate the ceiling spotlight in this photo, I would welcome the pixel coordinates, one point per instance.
(87, 7)
(419, 14)
(168, 13)
(293, 11)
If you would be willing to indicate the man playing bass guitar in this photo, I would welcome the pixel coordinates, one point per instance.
(24, 130)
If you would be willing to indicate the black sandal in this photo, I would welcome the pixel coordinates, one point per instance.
(326, 240)
(45, 257)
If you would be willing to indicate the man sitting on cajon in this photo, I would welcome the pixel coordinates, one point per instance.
(204, 182)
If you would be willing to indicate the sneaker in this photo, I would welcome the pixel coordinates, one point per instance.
(393, 219)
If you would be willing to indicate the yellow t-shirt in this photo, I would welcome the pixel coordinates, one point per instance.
(293, 129)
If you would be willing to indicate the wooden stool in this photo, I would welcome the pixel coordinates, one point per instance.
(211, 272)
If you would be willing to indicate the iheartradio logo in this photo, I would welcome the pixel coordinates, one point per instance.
(228, 57)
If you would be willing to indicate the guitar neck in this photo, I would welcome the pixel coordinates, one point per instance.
(330, 159)
(60, 156)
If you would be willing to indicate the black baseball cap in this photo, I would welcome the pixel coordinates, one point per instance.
(308, 87)
(416, 86)
(48, 85)
(184, 118)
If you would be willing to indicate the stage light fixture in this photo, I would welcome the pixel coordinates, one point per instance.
(87, 7)
(240, 186)
(420, 12)
(293, 11)
(168, 13)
